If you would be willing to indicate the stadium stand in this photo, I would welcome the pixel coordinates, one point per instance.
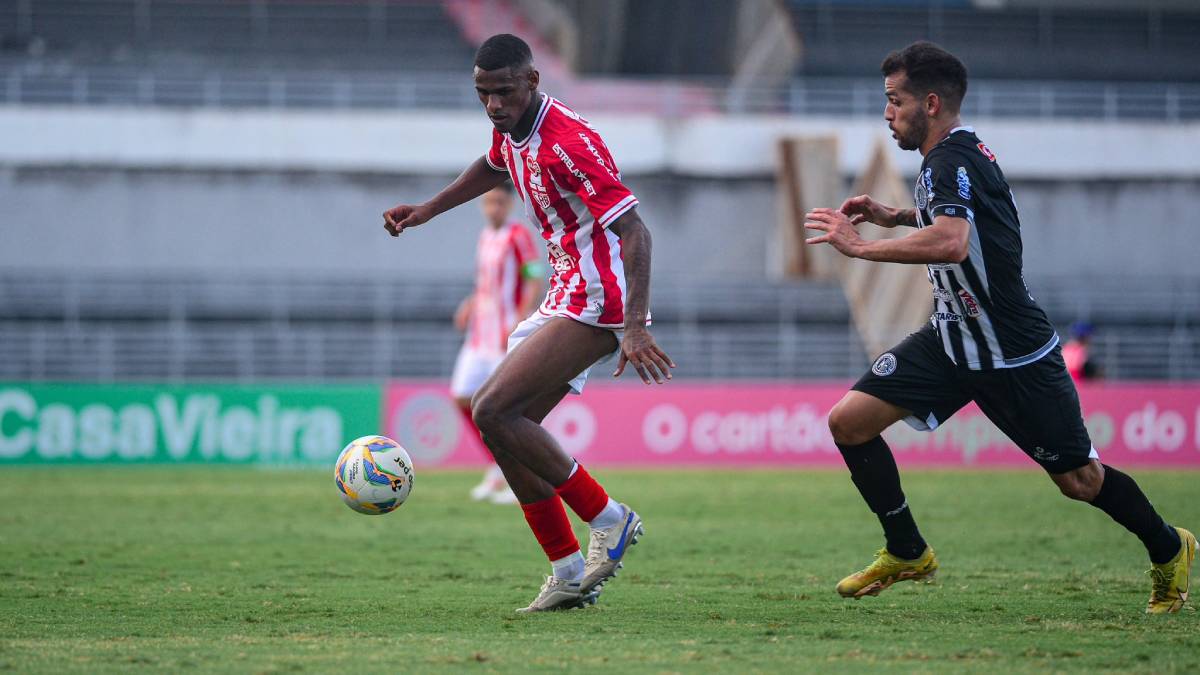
(369, 53)
(394, 54)
(1142, 41)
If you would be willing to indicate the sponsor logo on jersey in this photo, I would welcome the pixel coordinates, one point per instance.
(532, 165)
(987, 152)
(924, 189)
(968, 302)
(560, 259)
(570, 164)
(964, 183)
(884, 365)
(1044, 455)
(587, 140)
(947, 316)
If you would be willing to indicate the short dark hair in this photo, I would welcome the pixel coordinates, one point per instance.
(929, 68)
(503, 51)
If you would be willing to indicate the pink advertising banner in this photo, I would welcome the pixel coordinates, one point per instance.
(768, 424)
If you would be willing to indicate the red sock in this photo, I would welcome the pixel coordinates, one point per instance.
(583, 494)
(548, 520)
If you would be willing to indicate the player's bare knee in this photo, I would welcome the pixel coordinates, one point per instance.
(1077, 487)
(1082, 484)
(1076, 490)
(483, 412)
(488, 413)
(846, 430)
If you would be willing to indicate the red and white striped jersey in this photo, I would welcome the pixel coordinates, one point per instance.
(500, 258)
(572, 189)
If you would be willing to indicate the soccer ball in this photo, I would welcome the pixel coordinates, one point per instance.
(374, 475)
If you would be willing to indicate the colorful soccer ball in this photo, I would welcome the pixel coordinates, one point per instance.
(374, 475)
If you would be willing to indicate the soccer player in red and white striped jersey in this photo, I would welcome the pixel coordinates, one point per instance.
(507, 289)
(597, 307)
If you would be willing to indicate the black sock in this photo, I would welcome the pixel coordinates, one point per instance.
(874, 472)
(1122, 499)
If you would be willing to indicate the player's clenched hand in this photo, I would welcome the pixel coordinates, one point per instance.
(863, 209)
(839, 231)
(649, 360)
(399, 218)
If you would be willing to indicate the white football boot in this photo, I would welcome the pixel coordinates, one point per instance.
(559, 594)
(493, 482)
(504, 496)
(608, 546)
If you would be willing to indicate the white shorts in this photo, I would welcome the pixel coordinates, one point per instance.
(535, 321)
(471, 368)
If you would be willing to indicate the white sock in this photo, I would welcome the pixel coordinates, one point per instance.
(570, 567)
(611, 515)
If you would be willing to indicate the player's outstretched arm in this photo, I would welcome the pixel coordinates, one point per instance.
(638, 346)
(476, 180)
(945, 241)
(864, 209)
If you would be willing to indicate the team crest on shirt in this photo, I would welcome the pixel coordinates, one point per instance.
(560, 260)
(969, 304)
(504, 152)
(884, 365)
(987, 152)
(536, 189)
(924, 189)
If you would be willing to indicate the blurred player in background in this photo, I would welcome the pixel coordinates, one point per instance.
(988, 341)
(1077, 353)
(597, 307)
(507, 289)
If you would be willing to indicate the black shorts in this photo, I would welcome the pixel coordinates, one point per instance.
(1035, 405)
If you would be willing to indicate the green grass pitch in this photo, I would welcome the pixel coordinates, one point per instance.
(260, 571)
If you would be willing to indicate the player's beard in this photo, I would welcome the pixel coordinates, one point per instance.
(914, 136)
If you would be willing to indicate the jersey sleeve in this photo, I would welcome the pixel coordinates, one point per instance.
(494, 156)
(585, 167)
(949, 183)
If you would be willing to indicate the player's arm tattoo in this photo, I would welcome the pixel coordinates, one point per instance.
(906, 217)
(635, 253)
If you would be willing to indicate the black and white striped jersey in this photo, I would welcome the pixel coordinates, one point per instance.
(983, 311)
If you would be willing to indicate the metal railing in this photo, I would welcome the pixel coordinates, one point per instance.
(106, 328)
(64, 84)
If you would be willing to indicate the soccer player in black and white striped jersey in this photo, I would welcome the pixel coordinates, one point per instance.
(988, 341)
